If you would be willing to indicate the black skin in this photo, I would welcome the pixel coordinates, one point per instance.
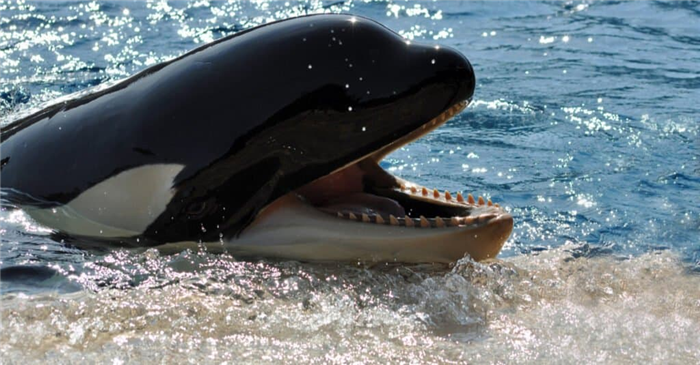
(246, 115)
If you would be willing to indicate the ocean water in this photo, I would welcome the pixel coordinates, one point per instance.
(584, 125)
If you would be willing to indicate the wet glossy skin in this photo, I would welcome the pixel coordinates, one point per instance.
(251, 116)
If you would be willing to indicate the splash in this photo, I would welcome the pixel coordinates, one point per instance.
(560, 306)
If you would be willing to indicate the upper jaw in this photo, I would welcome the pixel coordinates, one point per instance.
(419, 206)
(420, 132)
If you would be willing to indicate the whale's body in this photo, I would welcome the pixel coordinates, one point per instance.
(266, 141)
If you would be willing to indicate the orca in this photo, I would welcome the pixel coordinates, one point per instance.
(266, 142)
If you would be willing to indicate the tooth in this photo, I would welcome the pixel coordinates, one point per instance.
(460, 198)
(448, 196)
(402, 187)
(454, 221)
(352, 216)
(393, 220)
(485, 217)
(439, 222)
(490, 203)
(496, 205)
(340, 215)
(380, 220)
(481, 200)
(365, 218)
(409, 221)
(424, 222)
(470, 199)
(413, 189)
(436, 194)
(468, 220)
(425, 191)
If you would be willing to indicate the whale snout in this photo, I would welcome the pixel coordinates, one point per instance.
(458, 71)
(464, 76)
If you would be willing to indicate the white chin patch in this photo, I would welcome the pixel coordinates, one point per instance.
(122, 206)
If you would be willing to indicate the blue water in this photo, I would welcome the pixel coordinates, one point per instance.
(584, 125)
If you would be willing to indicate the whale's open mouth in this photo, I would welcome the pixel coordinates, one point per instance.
(365, 202)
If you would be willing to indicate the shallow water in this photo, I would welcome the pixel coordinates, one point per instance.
(584, 124)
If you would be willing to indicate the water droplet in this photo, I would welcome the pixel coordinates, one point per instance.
(310, 66)
(350, 108)
(364, 129)
(347, 86)
(432, 61)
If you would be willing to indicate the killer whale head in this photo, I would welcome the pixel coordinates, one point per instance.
(286, 119)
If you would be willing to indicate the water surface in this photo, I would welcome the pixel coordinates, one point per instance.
(584, 125)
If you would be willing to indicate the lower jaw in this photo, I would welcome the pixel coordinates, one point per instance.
(292, 229)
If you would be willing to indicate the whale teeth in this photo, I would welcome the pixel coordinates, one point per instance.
(496, 205)
(340, 215)
(439, 222)
(436, 194)
(448, 196)
(380, 220)
(424, 191)
(424, 222)
(460, 198)
(352, 216)
(454, 221)
(408, 221)
(470, 199)
(485, 218)
(468, 220)
(393, 220)
(481, 200)
(490, 203)
(413, 189)
(365, 218)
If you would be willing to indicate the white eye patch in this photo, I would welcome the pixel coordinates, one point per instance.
(124, 205)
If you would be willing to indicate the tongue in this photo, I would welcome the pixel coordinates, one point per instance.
(365, 203)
